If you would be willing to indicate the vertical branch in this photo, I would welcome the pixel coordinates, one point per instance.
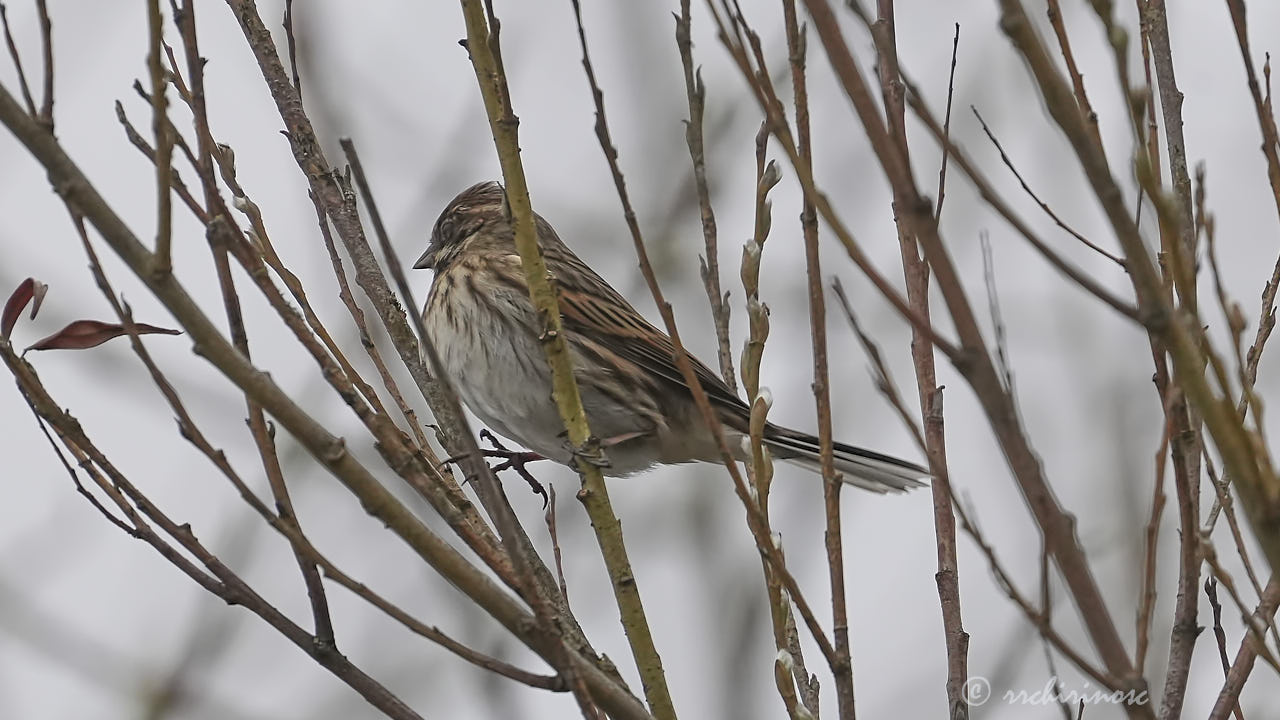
(482, 44)
(164, 140)
(23, 85)
(45, 117)
(916, 274)
(1054, 11)
(789, 663)
(710, 265)
(1242, 666)
(831, 482)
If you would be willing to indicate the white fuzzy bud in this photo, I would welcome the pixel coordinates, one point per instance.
(772, 175)
(786, 661)
(765, 396)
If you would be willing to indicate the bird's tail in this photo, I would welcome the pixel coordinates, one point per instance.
(864, 468)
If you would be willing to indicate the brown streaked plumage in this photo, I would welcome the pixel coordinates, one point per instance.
(479, 317)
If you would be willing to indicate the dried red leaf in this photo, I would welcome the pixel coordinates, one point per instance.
(38, 298)
(26, 291)
(83, 334)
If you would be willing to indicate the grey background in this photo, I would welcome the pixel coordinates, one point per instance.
(92, 625)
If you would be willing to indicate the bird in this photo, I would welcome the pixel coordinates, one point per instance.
(485, 330)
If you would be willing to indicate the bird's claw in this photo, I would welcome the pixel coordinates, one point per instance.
(514, 460)
(590, 452)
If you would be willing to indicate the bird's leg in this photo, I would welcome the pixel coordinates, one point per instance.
(514, 460)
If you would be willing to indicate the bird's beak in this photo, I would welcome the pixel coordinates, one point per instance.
(426, 261)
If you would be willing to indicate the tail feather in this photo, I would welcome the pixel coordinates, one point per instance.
(866, 469)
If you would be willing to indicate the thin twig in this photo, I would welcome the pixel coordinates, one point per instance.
(45, 116)
(326, 448)
(1043, 205)
(216, 578)
(755, 521)
(832, 484)
(1242, 666)
(523, 559)
(916, 274)
(17, 62)
(292, 47)
(164, 141)
(1146, 606)
(946, 125)
(1211, 592)
(887, 388)
(1054, 11)
(709, 266)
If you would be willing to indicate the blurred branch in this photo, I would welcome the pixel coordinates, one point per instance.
(1258, 485)
(26, 621)
(218, 579)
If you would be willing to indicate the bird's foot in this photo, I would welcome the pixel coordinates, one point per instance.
(514, 460)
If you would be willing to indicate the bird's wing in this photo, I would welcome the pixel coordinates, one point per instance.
(593, 309)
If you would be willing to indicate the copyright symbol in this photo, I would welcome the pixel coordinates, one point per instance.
(977, 690)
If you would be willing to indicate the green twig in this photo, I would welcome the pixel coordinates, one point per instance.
(482, 46)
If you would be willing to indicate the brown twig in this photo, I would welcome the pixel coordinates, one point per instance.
(1038, 619)
(292, 45)
(216, 577)
(916, 274)
(218, 233)
(946, 125)
(1146, 606)
(1043, 205)
(1211, 592)
(325, 447)
(832, 483)
(17, 62)
(760, 467)
(1242, 666)
(985, 190)
(179, 187)
(976, 365)
(755, 520)
(709, 266)
(164, 141)
(1054, 11)
(514, 540)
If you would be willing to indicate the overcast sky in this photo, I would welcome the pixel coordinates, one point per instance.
(92, 622)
